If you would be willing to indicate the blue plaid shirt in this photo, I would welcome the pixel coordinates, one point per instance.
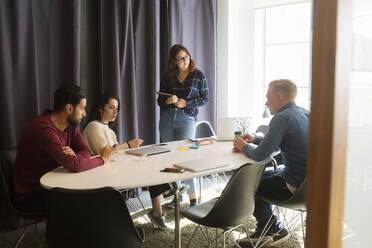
(194, 90)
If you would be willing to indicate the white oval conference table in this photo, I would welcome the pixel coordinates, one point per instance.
(125, 171)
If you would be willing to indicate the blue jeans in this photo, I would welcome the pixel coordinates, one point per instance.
(174, 125)
(273, 187)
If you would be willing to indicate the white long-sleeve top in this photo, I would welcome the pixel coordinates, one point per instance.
(98, 135)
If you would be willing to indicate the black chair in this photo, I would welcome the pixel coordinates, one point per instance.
(12, 218)
(297, 203)
(235, 204)
(94, 218)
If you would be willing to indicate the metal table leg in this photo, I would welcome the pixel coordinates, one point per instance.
(177, 229)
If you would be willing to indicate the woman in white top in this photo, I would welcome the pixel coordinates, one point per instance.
(98, 134)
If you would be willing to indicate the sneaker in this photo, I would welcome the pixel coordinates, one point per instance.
(193, 202)
(256, 238)
(173, 203)
(171, 192)
(157, 220)
(279, 236)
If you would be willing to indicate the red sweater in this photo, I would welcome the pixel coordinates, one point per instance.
(40, 150)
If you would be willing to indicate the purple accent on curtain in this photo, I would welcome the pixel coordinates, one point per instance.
(39, 51)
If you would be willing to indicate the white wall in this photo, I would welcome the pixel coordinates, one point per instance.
(235, 58)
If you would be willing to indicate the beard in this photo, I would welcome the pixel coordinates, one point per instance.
(73, 121)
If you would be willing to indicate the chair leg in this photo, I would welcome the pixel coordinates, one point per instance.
(24, 232)
(303, 227)
(290, 220)
(200, 190)
(205, 235)
(131, 205)
(193, 234)
(221, 179)
(139, 199)
(224, 175)
(226, 234)
(217, 238)
(21, 238)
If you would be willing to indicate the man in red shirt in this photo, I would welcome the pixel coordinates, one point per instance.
(49, 141)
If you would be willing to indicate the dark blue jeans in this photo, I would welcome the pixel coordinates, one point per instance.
(273, 187)
(174, 125)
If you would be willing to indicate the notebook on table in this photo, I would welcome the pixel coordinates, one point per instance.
(201, 164)
(147, 151)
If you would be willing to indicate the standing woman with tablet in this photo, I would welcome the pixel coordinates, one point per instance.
(188, 89)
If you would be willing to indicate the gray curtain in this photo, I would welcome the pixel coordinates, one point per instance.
(135, 38)
(124, 45)
(129, 58)
(39, 51)
(192, 23)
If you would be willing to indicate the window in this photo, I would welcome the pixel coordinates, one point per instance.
(259, 41)
(283, 47)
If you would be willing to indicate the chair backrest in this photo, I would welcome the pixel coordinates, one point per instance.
(236, 202)
(203, 129)
(295, 202)
(262, 129)
(8, 218)
(90, 218)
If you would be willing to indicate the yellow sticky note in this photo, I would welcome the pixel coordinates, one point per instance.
(183, 148)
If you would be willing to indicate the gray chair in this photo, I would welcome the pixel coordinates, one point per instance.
(203, 129)
(235, 204)
(129, 195)
(262, 129)
(90, 218)
(297, 203)
(11, 218)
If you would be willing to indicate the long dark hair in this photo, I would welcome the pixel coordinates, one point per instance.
(100, 104)
(172, 71)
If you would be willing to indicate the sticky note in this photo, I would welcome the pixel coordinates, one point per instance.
(183, 148)
(194, 147)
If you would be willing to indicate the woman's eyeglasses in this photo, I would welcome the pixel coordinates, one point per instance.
(182, 59)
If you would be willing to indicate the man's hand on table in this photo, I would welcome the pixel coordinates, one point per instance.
(107, 152)
(241, 141)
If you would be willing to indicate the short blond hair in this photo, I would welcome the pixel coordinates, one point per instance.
(286, 87)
